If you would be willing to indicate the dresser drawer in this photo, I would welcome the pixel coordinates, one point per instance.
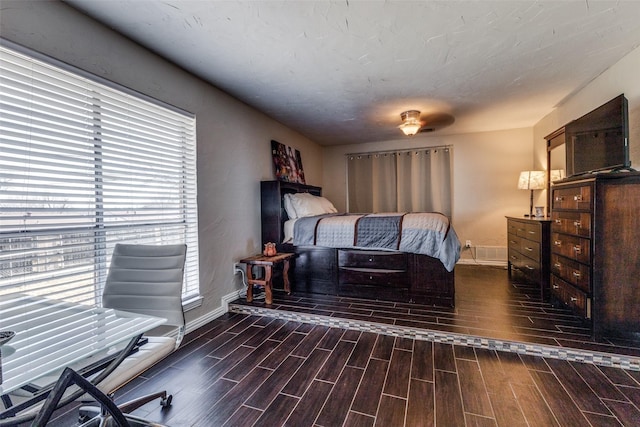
(575, 198)
(530, 249)
(571, 247)
(372, 259)
(571, 297)
(526, 265)
(577, 223)
(512, 227)
(572, 272)
(515, 257)
(530, 231)
(374, 277)
(514, 241)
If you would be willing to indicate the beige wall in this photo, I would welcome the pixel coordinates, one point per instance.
(234, 149)
(486, 167)
(621, 77)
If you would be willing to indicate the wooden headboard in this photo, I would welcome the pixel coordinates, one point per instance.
(272, 207)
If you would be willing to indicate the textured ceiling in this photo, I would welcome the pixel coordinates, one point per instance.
(341, 72)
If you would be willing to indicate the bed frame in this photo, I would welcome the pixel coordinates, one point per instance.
(393, 276)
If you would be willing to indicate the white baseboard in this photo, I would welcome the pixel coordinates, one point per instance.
(203, 320)
(471, 261)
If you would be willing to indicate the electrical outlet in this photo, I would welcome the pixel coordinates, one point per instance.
(236, 268)
(467, 244)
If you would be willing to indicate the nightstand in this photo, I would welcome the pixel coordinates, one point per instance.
(267, 263)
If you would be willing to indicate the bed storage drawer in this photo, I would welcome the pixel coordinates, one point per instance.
(374, 277)
(384, 271)
(372, 259)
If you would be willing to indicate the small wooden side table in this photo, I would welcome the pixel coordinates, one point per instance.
(267, 262)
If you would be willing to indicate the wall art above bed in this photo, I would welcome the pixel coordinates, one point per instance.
(287, 163)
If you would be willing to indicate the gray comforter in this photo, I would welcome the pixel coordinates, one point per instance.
(426, 233)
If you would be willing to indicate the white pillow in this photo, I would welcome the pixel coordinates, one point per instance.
(288, 230)
(305, 204)
(288, 207)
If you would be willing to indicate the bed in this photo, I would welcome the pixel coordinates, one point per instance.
(407, 257)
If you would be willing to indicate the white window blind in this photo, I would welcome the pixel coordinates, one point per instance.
(84, 165)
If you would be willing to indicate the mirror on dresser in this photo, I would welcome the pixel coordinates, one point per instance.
(556, 160)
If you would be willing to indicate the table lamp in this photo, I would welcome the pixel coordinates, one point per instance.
(532, 180)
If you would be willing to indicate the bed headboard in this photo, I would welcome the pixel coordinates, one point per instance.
(273, 214)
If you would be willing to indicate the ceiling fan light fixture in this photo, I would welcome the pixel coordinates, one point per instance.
(410, 122)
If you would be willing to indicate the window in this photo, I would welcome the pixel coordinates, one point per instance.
(417, 180)
(85, 164)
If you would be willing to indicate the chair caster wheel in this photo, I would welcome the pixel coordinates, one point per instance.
(166, 402)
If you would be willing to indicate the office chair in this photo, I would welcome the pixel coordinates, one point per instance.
(144, 279)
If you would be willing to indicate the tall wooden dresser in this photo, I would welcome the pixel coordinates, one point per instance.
(528, 247)
(595, 255)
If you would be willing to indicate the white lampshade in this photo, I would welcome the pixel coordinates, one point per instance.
(410, 129)
(411, 122)
(532, 180)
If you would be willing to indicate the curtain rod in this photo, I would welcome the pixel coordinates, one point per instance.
(400, 150)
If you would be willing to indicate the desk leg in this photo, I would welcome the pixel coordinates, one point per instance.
(268, 289)
(249, 283)
(285, 276)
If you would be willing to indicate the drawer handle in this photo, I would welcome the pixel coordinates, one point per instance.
(370, 277)
(555, 286)
(370, 259)
(557, 242)
(513, 242)
(573, 299)
(514, 257)
(577, 198)
(576, 274)
(529, 267)
(577, 224)
(531, 232)
(528, 249)
(559, 198)
(557, 266)
(558, 221)
(577, 249)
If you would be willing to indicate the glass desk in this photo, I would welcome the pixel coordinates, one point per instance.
(51, 335)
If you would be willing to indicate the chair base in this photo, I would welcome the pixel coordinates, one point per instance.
(91, 415)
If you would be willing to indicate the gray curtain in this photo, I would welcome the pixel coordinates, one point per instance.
(403, 181)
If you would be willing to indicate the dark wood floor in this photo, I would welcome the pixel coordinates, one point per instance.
(488, 304)
(250, 370)
(243, 370)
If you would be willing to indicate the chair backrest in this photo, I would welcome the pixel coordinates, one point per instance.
(147, 279)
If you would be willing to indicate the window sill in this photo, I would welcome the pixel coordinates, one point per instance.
(191, 303)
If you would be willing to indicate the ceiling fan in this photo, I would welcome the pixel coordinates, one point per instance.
(413, 123)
